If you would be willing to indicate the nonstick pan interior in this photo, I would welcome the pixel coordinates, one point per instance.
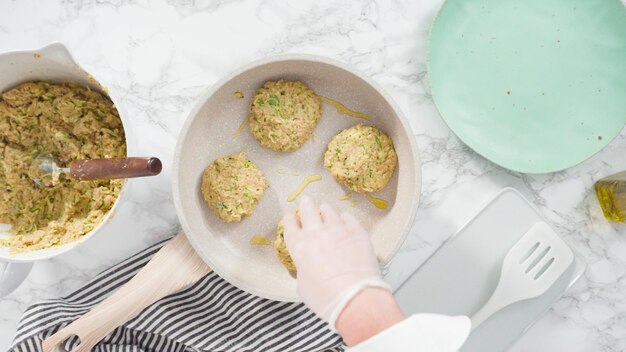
(208, 134)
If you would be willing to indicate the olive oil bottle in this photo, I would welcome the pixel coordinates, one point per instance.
(611, 192)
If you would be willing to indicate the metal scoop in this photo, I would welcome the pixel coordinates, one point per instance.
(529, 269)
(48, 172)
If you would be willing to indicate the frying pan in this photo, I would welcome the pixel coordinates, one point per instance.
(208, 134)
(209, 244)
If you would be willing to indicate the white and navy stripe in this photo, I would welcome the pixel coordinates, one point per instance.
(210, 315)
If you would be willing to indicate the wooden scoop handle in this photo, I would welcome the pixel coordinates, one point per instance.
(175, 266)
(111, 168)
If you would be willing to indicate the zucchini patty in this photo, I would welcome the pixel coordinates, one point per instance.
(284, 114)
(232, 186)
(362, 158)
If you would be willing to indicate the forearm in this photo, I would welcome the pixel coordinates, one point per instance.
(368, 313)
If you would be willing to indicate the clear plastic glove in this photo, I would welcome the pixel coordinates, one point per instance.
(334, 257)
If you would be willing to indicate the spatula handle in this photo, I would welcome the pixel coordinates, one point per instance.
(173, 268)
(489, 309)
(114, 168)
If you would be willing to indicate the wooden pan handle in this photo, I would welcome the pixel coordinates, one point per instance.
(175, 266)
(111, 168)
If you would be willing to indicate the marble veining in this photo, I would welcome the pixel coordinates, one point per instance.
(159, 56)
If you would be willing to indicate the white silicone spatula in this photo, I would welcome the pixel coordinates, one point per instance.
(529, 269)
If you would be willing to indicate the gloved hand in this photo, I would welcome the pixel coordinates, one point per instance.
(334, 257)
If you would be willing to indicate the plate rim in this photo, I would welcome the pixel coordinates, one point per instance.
(607, 141)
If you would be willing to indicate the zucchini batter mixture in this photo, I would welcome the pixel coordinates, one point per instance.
(284, 114)
(70, 122)
(362, 158)
(232, 186)
(280, 247)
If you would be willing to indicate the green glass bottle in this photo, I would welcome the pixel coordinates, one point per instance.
(611, 192)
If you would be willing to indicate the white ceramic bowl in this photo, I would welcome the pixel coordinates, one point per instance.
(51, 63)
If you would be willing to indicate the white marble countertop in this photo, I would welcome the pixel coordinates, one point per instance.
(160, 55)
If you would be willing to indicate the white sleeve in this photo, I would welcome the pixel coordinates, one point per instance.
(420, 333)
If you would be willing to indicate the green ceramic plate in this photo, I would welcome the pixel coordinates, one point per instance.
(535, 86)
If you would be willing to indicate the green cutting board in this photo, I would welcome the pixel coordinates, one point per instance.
(535, 86)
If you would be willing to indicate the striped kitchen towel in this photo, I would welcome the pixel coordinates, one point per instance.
(211, 315)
